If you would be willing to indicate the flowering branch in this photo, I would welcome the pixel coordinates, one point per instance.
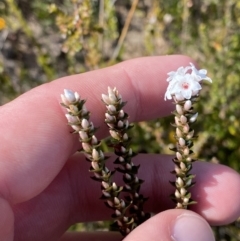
(117, 121)
(78, 119)
(184, 87)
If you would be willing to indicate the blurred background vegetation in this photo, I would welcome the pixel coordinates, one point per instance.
(44, 40)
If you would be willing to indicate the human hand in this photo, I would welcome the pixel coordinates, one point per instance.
(45, 187)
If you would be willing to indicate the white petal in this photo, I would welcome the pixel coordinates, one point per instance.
(203, 72)
(187, 94)
(179, 96)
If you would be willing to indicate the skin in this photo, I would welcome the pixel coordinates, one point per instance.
(45, 187)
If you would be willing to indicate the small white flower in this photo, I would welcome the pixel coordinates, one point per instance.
(185, 82)
(183, 87)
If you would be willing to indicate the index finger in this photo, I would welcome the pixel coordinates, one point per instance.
(35, 140)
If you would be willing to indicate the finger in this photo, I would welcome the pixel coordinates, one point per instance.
(176, 224)
(72, 197)
(6, 221)
(35, 140)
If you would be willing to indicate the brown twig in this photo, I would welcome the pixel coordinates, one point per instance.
(125, 30)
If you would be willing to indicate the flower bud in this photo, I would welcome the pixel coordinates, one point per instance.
(64, 100)
(183, 191)
(187, 105)
(72, 119)
(125, 137)
(95, 155)
(183, 119)
(70, 96)
(106, 194)
(178, 132)
(84, 110)
(177, 121)
(136, 179)
(118, 213)
(179, 156)
(123, 149)
(85, 124)
(110, 203)
(189, 182)
(177, 194)
(190, 134)
(106, 99)
(95, 165)
(76, 127)
(180, 182)
(181, 141)
(189, 159)
(105, 185)
(123, 204)
(121, 159)
(114, 186)
(182, 166)
(179, 205)
(114, 134)
(110, 118)
(136, 195)
(127, 176)
(120, 124)
(83, 135)
(111, 91)
(87, 147)
(128, 166)
(186, 128)
(116, 201)
(111, 108)
(113, 98)
(179, 109)
(186, 151)
(177, 170)
(121, 114)
(94, 140)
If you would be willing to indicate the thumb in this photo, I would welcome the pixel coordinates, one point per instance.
(173, 225)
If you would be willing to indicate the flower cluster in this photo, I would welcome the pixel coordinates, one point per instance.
(185, 82)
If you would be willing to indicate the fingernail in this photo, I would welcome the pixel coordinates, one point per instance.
(189, 227)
